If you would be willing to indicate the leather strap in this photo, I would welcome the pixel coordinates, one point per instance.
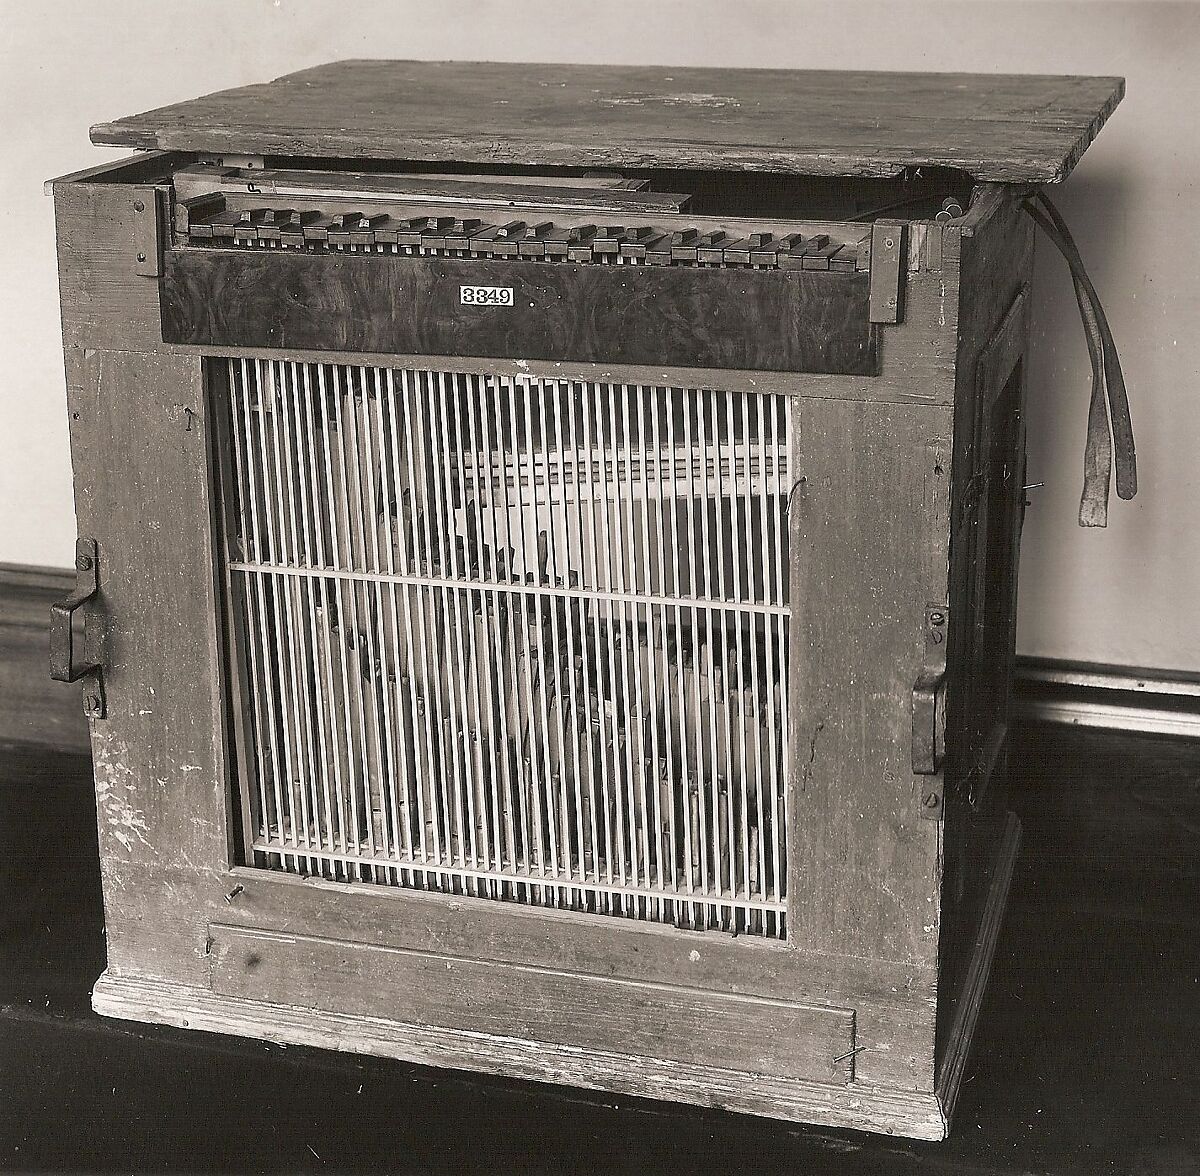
(1110, 431)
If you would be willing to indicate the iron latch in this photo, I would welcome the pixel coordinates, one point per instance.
(929, 706)
(63, 667)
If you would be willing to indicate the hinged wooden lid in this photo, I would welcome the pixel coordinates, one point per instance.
(1000, 127)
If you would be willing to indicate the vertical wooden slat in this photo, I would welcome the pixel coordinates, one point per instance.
(333, 621)
(503, 619)
(262, 736)
(264, 548)
(386, 513)
(403, 558)
(451, 673)
(477, 782)
(619, 572)
(772, 663)
(566, 575)
(593, 442)
(334, 771)
(303, 659)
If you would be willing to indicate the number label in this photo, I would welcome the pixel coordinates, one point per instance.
(485, 295)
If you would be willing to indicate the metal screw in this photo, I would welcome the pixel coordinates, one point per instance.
(937, 618)
(138, 206)
(141, 257)
(932, 800)
(888, 243)
(83, 563)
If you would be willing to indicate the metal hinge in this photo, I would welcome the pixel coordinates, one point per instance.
(929, 708)
(63, 667)
(889, 269)
(147, 204)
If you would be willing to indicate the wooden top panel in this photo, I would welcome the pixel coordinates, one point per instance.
(1001, 127)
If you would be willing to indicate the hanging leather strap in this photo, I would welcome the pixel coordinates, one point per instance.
(1110, 431)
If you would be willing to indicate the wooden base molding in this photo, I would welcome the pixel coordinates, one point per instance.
(857, 1105)
(869, 1108)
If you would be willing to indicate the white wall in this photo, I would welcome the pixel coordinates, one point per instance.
(1125, 595)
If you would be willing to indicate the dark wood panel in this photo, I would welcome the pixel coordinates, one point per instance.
(26, 593)
(535, 1005)
(721, 318)
(34, 709)
(996, 265)
(815, 122)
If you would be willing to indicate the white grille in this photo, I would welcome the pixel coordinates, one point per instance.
(513, 638)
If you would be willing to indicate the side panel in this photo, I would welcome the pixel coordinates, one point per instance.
(140, 451)
(869, 540)
(988, 508)
(143, 495)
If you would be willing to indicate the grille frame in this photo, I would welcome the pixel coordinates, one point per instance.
(764, 916)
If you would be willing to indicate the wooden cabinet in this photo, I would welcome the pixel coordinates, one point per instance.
(550, 566)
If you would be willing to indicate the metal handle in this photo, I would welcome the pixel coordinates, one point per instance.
(929, 712)
(63, 667)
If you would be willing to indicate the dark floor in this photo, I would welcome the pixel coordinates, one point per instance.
(1086, 1058)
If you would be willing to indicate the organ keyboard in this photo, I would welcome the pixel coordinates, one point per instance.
(217, 219)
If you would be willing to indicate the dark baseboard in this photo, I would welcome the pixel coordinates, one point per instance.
(35, 710)
(1117, 698)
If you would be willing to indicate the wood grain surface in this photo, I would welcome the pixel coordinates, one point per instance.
(750, 1034)
(1005, 127)
(722, 318)
(862, 1106)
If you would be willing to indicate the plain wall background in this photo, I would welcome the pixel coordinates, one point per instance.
(1125, 595)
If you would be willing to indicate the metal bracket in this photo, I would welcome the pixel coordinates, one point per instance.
(148, 235)
(240, 161)
(889, 266)
(63, 667)
(929, 708)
